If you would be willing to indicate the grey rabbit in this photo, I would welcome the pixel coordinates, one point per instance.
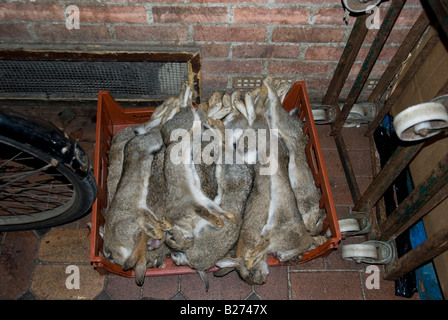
(131, 227)
(300, 175)
(186, 202)
(211, 243)
(272, 223)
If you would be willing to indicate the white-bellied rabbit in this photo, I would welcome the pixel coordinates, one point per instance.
(131, 227)
(272, 223)
(185, 200)
(300, 175)
(211, 243)
(115, 158)
(160, 116)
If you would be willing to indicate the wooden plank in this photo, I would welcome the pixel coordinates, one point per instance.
(375, 49)
(346, 61)
(402, 84)
(420, 198)
(396, 163)
(395, 64)
(418, 256)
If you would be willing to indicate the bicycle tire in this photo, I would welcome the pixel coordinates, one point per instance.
(84, 192)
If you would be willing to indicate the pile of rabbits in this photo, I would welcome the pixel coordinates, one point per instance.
(257, 197)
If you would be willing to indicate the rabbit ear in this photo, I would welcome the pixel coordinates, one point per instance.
(227, 100)
(185, 95)
(137, 259)
(250, 108)
(204, 278)
(101, 230)
(226, 265)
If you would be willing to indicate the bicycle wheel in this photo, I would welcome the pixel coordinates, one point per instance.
(38, 191)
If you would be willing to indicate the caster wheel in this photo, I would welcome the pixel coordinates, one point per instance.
(349, 225)
(355, 117)
(355, 223)
(373, 252)
(359, 252)
(324, 114)
(421, 121)
(319, 115)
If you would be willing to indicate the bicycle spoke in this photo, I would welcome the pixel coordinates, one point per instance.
(27, 175)
(11, 159)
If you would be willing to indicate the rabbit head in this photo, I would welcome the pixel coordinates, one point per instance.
(251, 264)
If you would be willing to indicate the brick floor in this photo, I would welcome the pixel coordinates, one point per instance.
(35, 264)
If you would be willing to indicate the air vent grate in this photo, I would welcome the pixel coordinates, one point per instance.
(83, 79)
(133, 76)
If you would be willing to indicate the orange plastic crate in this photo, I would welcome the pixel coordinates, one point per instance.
(111, 118)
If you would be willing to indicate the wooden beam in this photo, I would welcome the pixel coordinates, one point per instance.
(419, 202)
(375, 49)
(418, 256)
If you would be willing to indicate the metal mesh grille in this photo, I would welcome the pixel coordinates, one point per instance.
(83, 79)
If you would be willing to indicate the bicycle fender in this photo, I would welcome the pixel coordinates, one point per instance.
(47, 137)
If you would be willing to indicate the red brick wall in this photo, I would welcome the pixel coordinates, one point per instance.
(301, 39)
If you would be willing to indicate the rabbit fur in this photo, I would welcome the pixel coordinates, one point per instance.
(186, 202)
(272, 222)
(212, 243)
(300, 176)
(225, 213)
(131, 226)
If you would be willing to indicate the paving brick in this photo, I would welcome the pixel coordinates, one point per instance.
(340, 191)
(17, 254)
(360, 160)
(229, 287)
(65, 246)
(325, 139)
(314, 2)
(164, 287)
(122, 288)
(276, 286)
(354, 138)
(49, 282)
(314, 264)
(326, 285)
